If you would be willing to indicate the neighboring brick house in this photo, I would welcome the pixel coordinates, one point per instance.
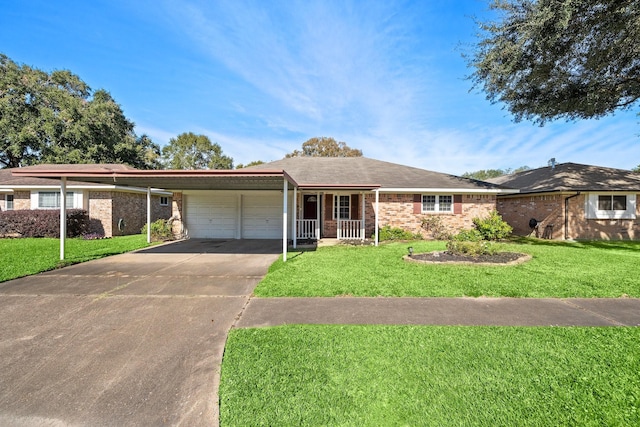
(342, 192)
(113, 210)
(573, 201)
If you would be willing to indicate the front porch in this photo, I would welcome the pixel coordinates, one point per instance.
(338, 216)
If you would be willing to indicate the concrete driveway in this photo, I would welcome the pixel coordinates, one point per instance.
(133, 339)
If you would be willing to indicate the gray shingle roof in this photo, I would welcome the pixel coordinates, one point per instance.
(362, 172)
(571, 177)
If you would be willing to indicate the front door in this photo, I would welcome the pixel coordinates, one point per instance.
(310, 207)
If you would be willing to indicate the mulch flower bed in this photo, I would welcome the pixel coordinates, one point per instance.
(445, 257)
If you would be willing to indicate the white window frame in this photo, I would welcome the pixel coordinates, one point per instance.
(438, 206)
(593, 212)
(164, 200)
(8, 204)
(337, 206)
(72, 196)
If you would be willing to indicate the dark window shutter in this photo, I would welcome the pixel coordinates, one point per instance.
(355, 207)
(328, 207)
(417, 203)
(457, 204)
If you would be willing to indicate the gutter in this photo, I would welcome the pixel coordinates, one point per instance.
(566, 214)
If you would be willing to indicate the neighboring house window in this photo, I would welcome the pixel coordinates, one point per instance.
(342, 207)
(164, 201)
(437, 203)
(51, 200)
(612, 203)
(611, 206)
(8, 202)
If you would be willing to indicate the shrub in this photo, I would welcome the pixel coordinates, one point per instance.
(394, 233)
(470, 242)
(161, 230)
(42, 223)
(493, 227)
(467, 247)
(433, 225)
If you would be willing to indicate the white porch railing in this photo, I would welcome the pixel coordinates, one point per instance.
(350, 229)
(307, 228)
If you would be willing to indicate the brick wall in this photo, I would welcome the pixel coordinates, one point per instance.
(100, 212)
(601, 229)
(176, 214)
(549, 209)
(21, 200)
(396, 210)
(132, 208)
(107, 208)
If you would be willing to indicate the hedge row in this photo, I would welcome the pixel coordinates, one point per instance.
(42, 223)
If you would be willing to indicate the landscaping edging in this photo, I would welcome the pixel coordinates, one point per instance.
(439, 257)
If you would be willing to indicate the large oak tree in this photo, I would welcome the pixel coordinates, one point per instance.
(325, 147)
(191, 151)
(56, 118)
(560, 59)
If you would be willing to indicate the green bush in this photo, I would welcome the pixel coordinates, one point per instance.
(471, 248)
(160, 230)
(470, 242)
(493, 227)
(433, 224)
(394, 233)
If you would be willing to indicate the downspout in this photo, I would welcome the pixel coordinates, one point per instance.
(566, 214)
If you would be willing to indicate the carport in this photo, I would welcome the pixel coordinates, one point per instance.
(241, 198)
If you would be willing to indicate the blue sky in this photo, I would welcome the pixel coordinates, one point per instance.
(262, 77)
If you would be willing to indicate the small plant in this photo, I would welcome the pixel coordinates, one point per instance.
(161, 230)
(470, 242)
(394, 233)
(433, 225)
(493, 227)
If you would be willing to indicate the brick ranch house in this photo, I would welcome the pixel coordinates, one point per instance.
(573, 201)
(343, 198)
(113, 210)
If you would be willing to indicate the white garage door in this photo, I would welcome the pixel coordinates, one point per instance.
(262, 216)
(211, 215)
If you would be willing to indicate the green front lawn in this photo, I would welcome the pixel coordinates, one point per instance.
(558, 269)
(436, 376)
(22, 257)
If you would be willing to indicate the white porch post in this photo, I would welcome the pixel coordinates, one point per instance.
(63, 214)
(148, 214)
(285, 190)
(362, 227)
(294, 232)
(376, 215)
(318, 219)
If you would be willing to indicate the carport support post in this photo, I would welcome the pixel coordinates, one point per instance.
(294, 232)
(148, 214)
(285, 190)
(63, 214)
(377, 203)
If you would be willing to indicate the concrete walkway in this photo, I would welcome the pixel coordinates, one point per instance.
(442, 311)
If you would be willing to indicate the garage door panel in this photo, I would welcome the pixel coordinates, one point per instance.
(211, 215)
(262, 216)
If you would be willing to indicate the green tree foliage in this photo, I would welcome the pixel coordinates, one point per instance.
(552, 59)
(484, 174)
(54, 118)
(325, 147)
(253, 163)
(191, 151)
